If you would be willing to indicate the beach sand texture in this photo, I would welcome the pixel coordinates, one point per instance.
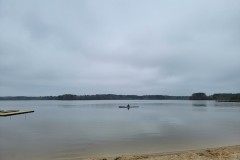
(222, 153)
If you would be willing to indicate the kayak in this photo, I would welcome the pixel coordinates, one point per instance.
(128, 107)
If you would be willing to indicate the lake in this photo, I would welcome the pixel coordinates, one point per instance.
(61, 129)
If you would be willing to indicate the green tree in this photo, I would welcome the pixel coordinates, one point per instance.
(199, 96)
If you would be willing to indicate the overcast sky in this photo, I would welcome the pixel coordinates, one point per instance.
(171, 47)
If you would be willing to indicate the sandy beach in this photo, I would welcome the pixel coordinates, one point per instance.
(221, 153)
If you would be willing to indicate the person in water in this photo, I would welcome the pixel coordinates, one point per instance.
(128, 106)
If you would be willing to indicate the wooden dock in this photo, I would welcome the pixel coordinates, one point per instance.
(11, 113)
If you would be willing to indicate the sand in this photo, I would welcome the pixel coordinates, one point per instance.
(221, 153)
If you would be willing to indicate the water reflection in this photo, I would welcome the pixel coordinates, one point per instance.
(227, 104)
(199, 103)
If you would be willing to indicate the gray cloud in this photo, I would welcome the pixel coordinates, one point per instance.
(122, 47)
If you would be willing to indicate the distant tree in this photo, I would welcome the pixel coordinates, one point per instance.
(226, 97)
(199, 96)
(67, 97)
(235, 97)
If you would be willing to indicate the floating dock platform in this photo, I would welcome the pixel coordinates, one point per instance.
(13, 112)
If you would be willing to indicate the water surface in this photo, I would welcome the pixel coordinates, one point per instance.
(59, 129)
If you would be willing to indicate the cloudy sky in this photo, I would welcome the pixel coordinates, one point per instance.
(172, 47)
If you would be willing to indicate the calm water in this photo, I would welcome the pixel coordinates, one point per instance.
(59, 129)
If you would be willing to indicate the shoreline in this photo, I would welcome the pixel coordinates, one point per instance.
(219, 153)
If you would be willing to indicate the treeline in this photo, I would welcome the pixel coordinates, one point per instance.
(120, 97)
(226, 97)
(99, 97)
(229, 97)
(28, 98)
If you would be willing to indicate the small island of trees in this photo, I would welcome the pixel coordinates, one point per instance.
(221, 97)
(199, 96)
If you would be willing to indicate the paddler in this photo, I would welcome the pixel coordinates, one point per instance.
(128, 106)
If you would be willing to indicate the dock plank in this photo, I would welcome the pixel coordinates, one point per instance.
(14, 113)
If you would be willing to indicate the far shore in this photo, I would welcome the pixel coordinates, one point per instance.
(220, 153)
